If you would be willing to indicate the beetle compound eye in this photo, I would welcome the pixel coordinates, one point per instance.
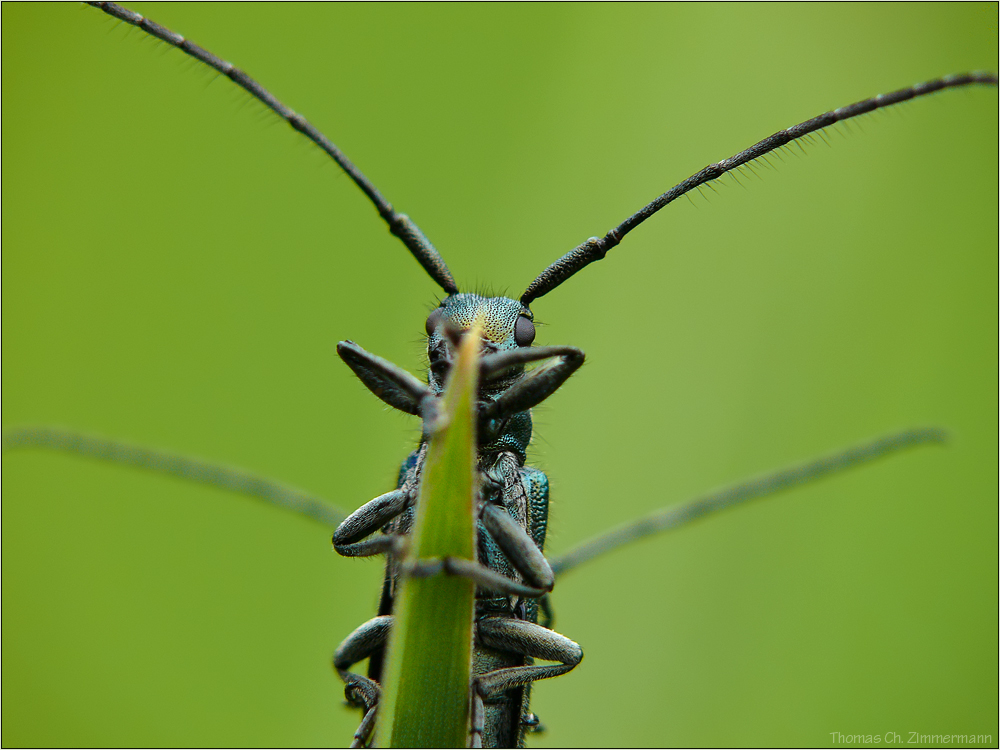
(524, 331)
(433, 321)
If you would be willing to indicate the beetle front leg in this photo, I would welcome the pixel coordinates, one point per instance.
(534, 387)
(392, 384)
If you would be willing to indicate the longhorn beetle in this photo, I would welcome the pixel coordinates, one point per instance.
(864, 318)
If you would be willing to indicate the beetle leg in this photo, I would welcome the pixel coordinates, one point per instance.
(362, 643)
(532, 724)
(478, 721)
(366, 520)
(496, 363)
(481, 575)
(378, 545)
(520, 548)
(363, 734)
(534, 387)
(547, 614)
(392, 384)
(529, 639)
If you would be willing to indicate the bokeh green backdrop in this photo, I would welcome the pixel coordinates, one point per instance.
(178, 265)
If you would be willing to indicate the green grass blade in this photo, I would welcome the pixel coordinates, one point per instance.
(426, 699)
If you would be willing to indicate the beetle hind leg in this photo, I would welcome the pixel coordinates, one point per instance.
(527, 639)
(361, 691)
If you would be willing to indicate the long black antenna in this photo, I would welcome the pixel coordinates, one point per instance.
(596, 248)
(676, 516)
(399, 224)
(191, 469)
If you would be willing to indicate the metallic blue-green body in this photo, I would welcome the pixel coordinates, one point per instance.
(522, 490)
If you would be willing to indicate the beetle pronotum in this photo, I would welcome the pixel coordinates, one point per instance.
(508, 139)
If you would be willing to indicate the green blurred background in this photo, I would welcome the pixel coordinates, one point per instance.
(178, 266)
